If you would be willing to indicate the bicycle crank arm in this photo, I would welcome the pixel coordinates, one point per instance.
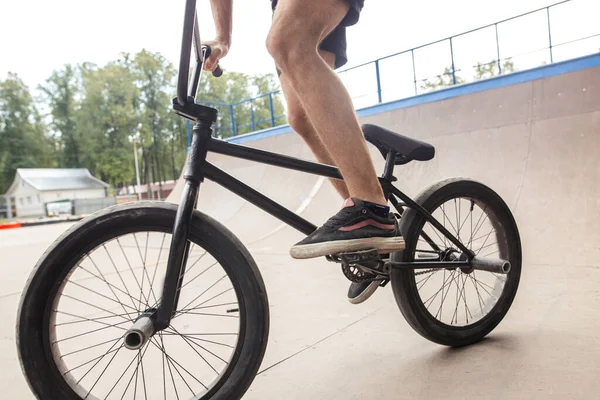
(495, 265)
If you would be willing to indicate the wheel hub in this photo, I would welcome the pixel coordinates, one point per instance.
(141, 331)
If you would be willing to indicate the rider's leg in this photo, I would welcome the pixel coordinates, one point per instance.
(298, 28)
(358, 292)
(299, 122)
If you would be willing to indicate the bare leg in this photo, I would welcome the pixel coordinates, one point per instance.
(298, 28)
(300, 123)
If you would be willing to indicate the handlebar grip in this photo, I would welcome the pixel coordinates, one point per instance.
(218, 71)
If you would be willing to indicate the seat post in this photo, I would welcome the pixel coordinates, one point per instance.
(390, 162)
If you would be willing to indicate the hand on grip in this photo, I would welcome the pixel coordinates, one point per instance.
(217, 51)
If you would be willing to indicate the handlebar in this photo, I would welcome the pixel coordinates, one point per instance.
(191, 40)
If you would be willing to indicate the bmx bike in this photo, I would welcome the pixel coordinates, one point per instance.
(93, 324)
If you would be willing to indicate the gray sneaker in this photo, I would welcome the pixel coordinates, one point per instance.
(359, 225)
(361, 291)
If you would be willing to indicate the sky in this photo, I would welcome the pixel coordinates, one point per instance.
(39, 36)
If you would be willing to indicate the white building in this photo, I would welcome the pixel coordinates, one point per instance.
(33, 188)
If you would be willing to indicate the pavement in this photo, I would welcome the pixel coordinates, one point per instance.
(536, 143)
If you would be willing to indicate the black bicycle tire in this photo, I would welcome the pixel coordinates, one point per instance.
(403, 282)
(32, 345)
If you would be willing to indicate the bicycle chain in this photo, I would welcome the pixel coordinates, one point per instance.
(427, 271)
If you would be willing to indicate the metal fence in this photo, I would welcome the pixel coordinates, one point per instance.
(558, 32)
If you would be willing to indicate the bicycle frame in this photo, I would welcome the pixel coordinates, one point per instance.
(199, 169)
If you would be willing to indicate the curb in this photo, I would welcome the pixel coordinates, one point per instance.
(14, 225)
(10, 225)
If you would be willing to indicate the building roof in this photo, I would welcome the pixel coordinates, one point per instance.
(44, 179)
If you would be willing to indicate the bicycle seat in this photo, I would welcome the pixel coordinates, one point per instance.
(408, 149)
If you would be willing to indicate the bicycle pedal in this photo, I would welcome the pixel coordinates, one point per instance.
(360, 256)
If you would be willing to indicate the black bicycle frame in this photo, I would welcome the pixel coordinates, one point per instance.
(199, 169)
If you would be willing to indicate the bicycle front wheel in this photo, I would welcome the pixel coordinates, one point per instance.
(100, 275)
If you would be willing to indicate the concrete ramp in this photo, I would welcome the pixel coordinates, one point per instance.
(534, 137)
(536, 143)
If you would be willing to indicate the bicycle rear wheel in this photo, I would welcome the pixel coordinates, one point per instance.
(454, 306)
(103, 273)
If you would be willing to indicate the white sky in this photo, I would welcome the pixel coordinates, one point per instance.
(38, 36)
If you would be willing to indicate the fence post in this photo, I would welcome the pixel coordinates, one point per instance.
(271, 109)
(252, 114)
(378, 81)
(412, 51)
(498, 51)
(233, 130)
(452, 56)
(549, 34)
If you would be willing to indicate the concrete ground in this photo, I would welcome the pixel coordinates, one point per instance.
(322, 347)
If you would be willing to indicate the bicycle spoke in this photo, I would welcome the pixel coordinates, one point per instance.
(206, 341)
(111, 286)
(84, 319)
(90, 347)
(105, 281)
(186, 340)
(93, 331)
(131, 270)
(156, 267)
(201, 294)
(94, 306)
(187, 310)
(124, 372)
(116, 351)
(119, 274)
(169, 358)
(99, 294)
(164, 354)
(202, 347)
(143, 259)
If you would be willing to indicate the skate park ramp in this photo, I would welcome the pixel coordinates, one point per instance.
(534, 137)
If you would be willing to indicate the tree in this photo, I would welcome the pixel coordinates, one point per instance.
(106, 120)
(23, 137)
(441, 81)
(61, 92)
(154, 76)
(489, 70)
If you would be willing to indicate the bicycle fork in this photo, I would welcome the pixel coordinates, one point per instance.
(154, 320)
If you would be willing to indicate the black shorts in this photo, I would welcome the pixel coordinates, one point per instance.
(336, 42)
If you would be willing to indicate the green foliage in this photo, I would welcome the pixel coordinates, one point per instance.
(482, 71)
(489, 70)
(105, 120)
(60, 93)
(23, 138)
(441, 81)
(93, 114)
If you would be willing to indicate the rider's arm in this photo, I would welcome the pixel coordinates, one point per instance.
(222, 11)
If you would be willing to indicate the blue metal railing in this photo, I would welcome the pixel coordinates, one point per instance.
(400, 75)
(247, 115)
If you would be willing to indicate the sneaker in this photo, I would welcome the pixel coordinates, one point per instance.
(361, 291)
(359, 225)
